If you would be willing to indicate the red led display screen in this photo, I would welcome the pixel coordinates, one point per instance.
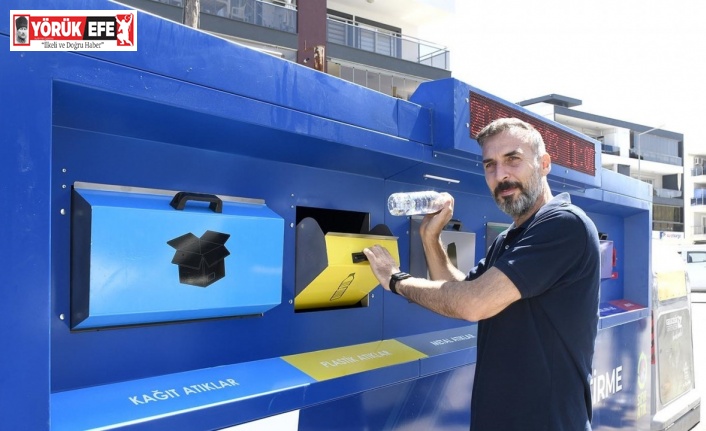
(564, 148)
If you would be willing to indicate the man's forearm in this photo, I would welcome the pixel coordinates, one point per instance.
(473, 300)
(445, 298)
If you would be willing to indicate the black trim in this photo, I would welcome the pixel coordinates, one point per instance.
(339, 14)
(378, 25)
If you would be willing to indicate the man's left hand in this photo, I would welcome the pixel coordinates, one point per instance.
(382, 264)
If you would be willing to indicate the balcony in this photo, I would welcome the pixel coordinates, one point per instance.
(699, 198)
(277, 15)
(667, 226)
(654, 156)
(610, 149)
(698, 174)
(387, 43)
(666, 193)
(669, 197)
(698, 233)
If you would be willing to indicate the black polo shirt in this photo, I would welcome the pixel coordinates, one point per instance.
(534, 358)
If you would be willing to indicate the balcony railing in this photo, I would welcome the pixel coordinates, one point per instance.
(610, 149)
(666, 193)
(699, 230)
(656, 157)
(387, 43)
(697, 171)
(699, 198)
(278, 15)
(667, 226)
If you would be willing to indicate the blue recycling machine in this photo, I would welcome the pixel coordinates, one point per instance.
(182, 231)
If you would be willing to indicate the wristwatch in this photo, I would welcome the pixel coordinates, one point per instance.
(398, 276)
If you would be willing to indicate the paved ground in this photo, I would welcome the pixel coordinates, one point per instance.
(698, 309)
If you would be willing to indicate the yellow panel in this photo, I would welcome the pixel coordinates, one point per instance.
(344, 283)
(671, 285)
(344, 361)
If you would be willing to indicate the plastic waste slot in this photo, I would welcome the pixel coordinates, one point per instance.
(331, 269)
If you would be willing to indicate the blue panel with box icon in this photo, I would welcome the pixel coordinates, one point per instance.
(141, 258)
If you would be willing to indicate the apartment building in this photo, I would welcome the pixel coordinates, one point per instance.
(648, 153)
(696, 184)
(372, 43)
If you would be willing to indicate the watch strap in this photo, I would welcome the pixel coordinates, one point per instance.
(396, 277)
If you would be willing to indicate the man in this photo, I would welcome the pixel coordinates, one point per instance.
(534, 295)
(21, 31)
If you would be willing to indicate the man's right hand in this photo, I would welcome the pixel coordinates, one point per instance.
(433, 224)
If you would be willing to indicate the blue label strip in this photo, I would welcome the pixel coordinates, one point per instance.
(120, 404)
(445, 341)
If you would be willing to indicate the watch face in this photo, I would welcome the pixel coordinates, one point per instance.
(400, 276)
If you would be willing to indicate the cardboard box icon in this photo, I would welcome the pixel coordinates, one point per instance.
(201, 260)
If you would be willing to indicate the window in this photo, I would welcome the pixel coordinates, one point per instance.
(667, 218)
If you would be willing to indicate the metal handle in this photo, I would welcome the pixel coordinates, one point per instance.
(359, 257)
(179, 201)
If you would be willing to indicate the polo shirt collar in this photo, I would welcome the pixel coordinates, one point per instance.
(557, 201)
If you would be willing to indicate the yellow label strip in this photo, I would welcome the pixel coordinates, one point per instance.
(344, 361)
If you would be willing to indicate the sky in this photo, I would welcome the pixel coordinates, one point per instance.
(637, 61)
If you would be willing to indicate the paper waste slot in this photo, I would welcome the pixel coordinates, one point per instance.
(141, 258)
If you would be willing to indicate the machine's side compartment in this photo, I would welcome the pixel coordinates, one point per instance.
(622, 212)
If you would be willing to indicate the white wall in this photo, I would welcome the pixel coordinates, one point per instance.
(409, 15)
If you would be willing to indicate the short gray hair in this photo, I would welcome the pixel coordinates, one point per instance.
(521, 129)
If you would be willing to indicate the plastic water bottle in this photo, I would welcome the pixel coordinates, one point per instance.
(406, 204)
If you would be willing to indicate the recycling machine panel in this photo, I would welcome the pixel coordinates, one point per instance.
(146, 258)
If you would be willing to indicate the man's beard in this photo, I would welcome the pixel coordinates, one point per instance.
(518, 206)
